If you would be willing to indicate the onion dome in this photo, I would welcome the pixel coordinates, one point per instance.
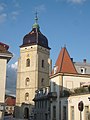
(35, 37)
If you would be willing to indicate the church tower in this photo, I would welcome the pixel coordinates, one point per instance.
(33, 69)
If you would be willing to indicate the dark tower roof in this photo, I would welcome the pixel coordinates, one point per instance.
(35, 37)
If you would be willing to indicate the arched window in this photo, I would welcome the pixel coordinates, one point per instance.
(26, 96)
(42, 81)
(28, 62)
(27, 81)
(42, 63)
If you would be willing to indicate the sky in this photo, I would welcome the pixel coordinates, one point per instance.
(63, 22)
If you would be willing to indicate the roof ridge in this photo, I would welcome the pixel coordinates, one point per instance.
(62, 59)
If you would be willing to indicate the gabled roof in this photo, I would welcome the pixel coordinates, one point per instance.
(64, 63)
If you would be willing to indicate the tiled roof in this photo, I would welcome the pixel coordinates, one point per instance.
(10, 101)
(64, 63)
(3, 47)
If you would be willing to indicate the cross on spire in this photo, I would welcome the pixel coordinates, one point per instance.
(36, 18)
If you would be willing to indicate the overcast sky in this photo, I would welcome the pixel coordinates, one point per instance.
(63, 22)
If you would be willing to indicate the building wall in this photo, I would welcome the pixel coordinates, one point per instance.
(3, 63)
(73, 101)
(42, 105)
(56, 86)
(74, 81)
(35, 72)
(62, 82)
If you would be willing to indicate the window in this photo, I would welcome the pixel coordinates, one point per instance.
(64, 112)
(46, 116)
(28, 62)
(54, 87)
(83, 70)
(54, 112)
(42, 81)
(27, 81)
(72, 112)
(42, 63)
(27, 96)
(86, 113)
(35, 116)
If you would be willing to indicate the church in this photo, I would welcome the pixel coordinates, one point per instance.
(34, 67)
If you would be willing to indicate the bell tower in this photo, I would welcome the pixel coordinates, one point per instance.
(33, 69)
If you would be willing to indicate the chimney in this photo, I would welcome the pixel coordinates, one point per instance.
(84, 60)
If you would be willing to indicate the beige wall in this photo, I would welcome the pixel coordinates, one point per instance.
(73, 101)
(3, 63)
(35, 72)
(71, 82)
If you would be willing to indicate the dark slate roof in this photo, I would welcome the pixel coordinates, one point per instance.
(4, 53)
(3, 47)
(35, 37)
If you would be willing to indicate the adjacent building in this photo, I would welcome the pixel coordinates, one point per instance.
(69, 107)
(5, 56)
(10, 102)
(64, 80)
(42, 104)
(33, 70)
(82, 67)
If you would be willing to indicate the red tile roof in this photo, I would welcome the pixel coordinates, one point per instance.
(10, 101)
(64, 63)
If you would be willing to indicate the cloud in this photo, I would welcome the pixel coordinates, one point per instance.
(14, 14)
(9, 11)
(16, 3)
(14, 66)
(11, 78)
(3, 17)
(40, 8)
(2, 7)
(76, 1)
(3, 14)
(72, 1)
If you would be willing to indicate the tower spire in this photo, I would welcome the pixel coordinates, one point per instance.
(36, 18)
(36, 25)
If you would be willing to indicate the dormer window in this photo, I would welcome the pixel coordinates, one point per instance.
(83, 70)
(55, 69)
(28, 62)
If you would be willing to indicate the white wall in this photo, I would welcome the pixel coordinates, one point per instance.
(72, 82)
(73, 101)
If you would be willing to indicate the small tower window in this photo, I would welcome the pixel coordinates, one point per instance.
(42, 81)
(42, 63)
(27, 96)
(28, 62)
(27, 81)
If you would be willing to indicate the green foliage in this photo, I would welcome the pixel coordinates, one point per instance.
(89, 88)
(80, 90)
